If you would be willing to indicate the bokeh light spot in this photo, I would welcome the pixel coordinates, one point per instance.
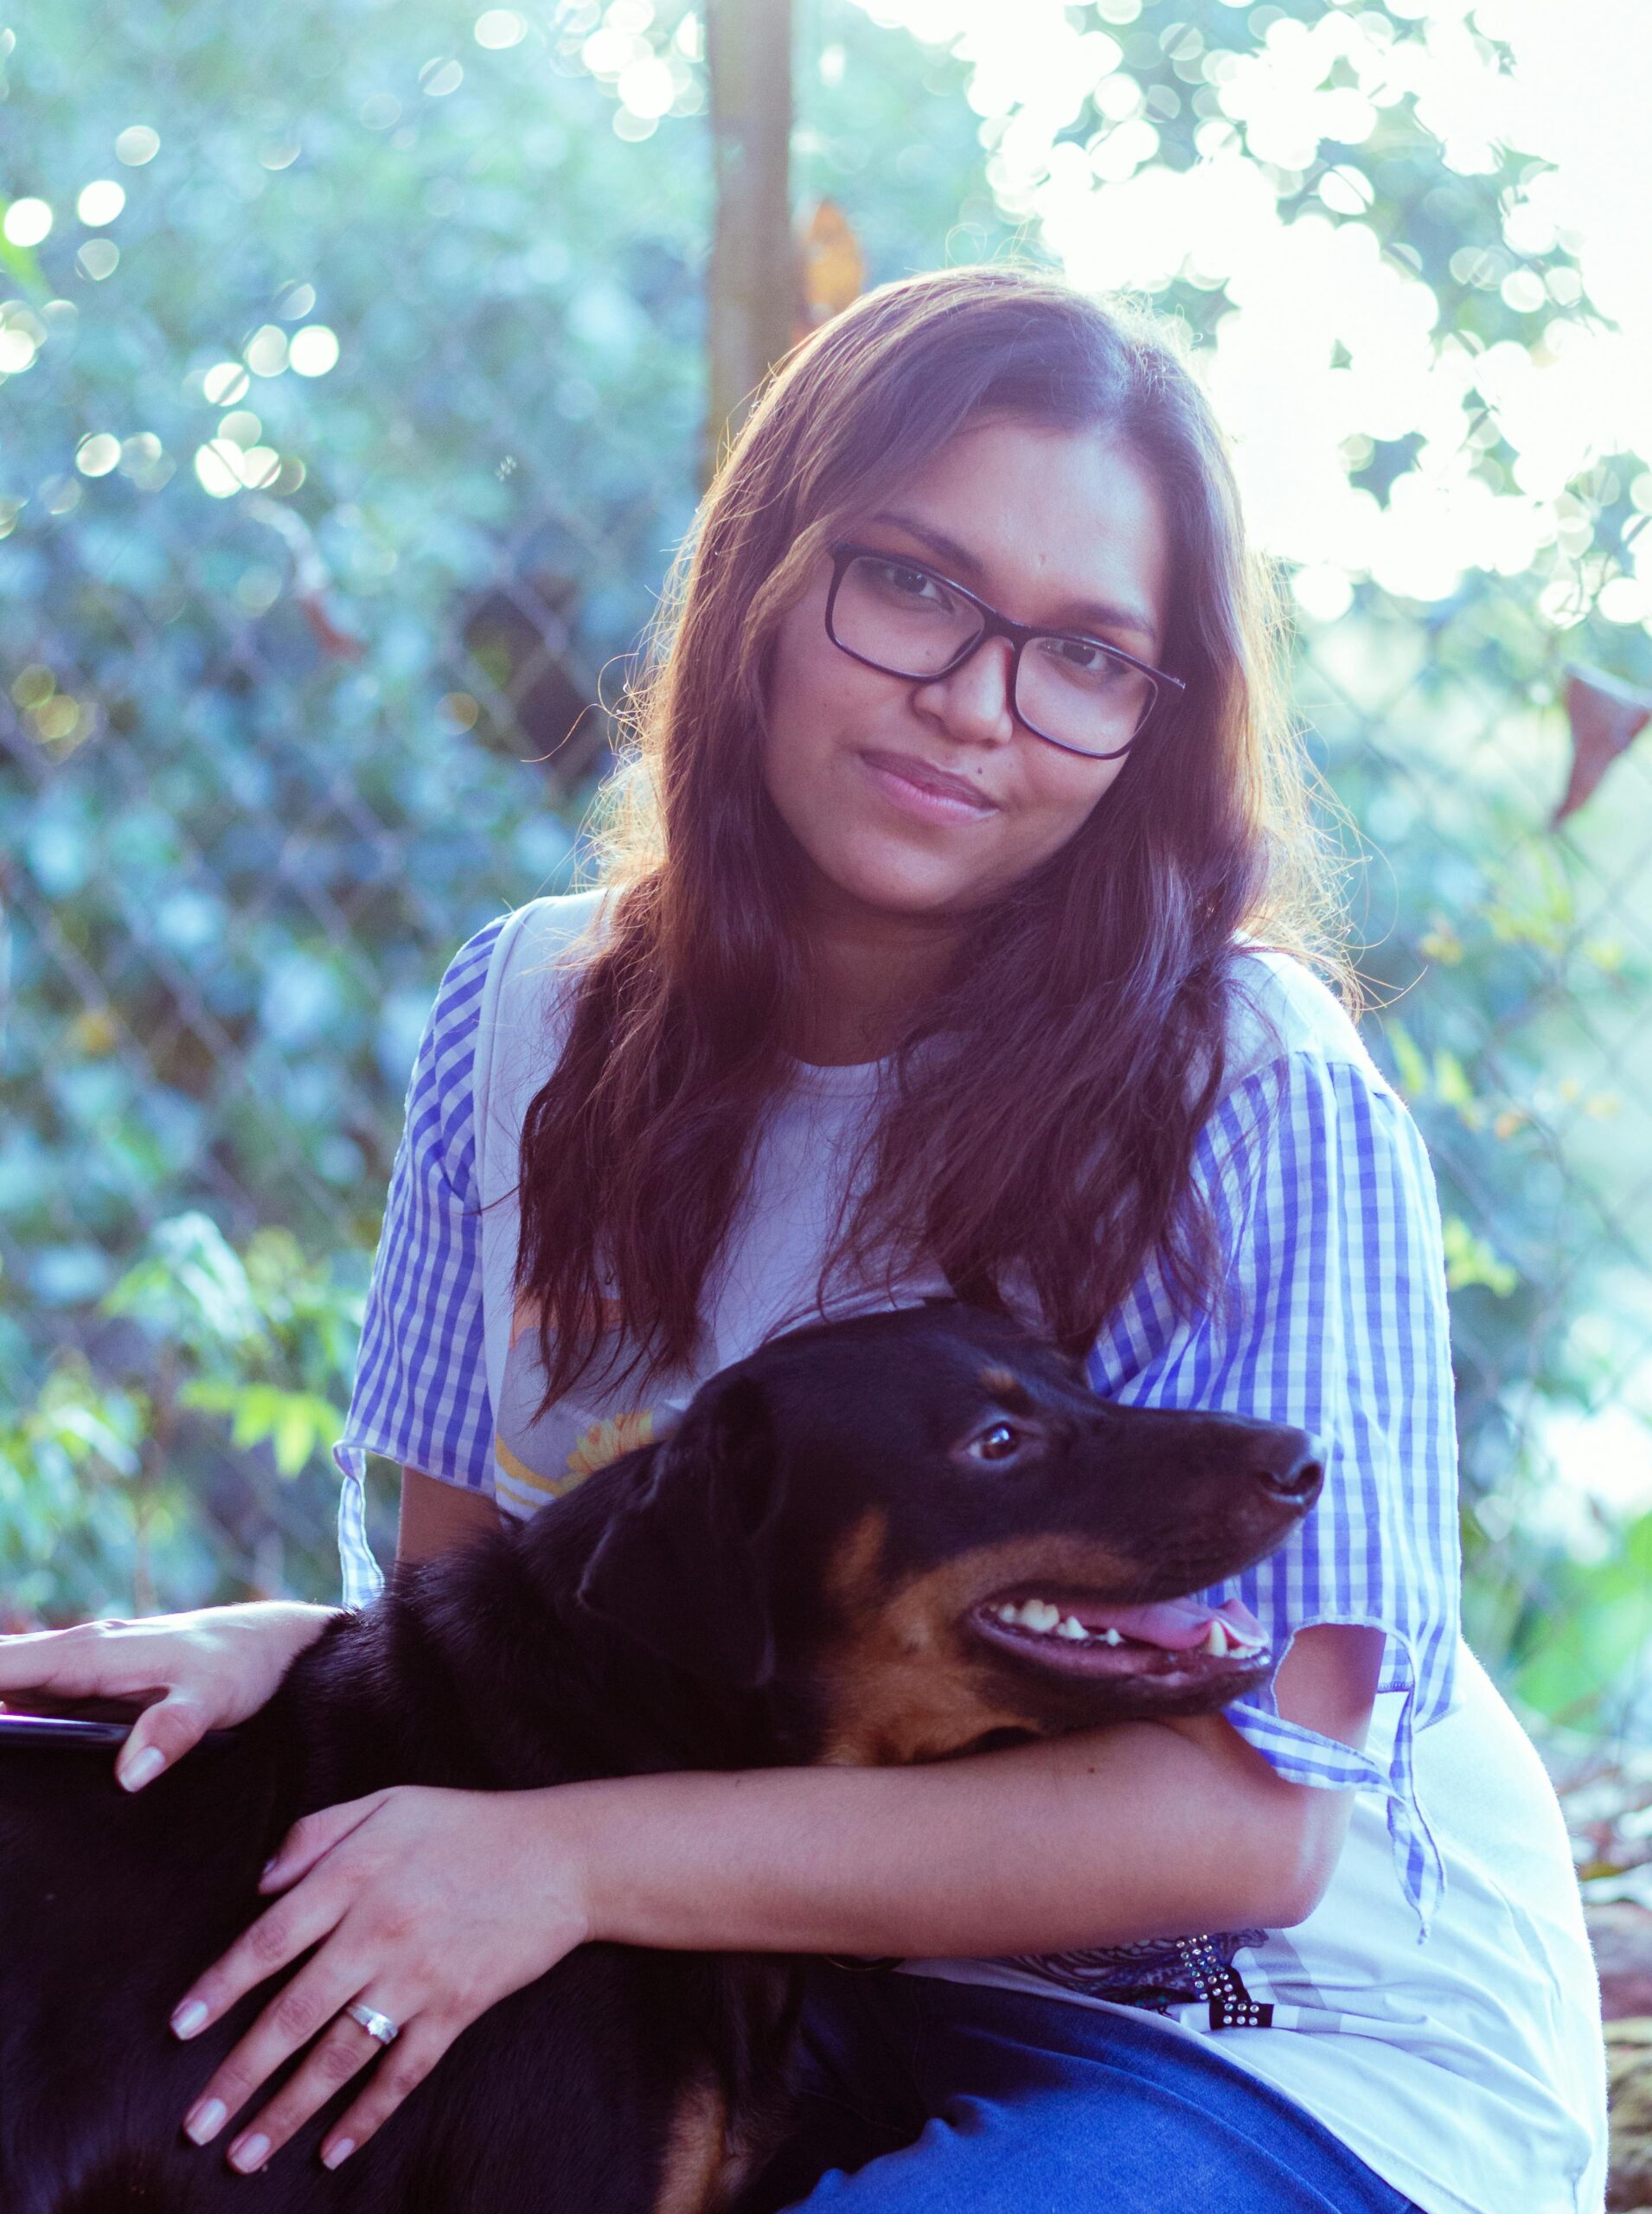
(100, 201)
(647, 88)
(33, 686)
(98, 258)
(294, 302)
(217, 468)
(441, 77)
(96, 454)
(313, 351)
(266, 350)
(58, 720)
(500, 26)
(257, 588)
(20, 340)
(225, 384)
(242, 428)
(260, 467)
(27, 221)
(143, 460)
(137, 144)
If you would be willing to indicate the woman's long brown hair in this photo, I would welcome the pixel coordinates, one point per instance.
(1038, 1134)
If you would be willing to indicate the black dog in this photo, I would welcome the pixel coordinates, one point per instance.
(893, 1539)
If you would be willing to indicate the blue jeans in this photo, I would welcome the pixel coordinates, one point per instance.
(924, 2097)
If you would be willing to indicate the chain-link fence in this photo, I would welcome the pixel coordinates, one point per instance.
(351, 376)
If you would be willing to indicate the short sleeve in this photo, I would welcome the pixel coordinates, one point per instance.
(420, 1395)
(1333, 1318)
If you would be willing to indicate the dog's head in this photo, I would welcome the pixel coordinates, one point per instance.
(921, 1531)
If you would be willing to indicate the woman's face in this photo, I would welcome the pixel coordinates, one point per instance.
(927, 798)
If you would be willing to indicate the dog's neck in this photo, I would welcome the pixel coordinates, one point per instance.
(503, 1681)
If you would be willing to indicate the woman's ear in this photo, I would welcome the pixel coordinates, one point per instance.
(685, 1567)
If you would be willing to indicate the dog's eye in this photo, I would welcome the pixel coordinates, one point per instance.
(998, 1442)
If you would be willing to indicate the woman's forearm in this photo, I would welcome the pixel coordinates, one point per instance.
(1105, 1838)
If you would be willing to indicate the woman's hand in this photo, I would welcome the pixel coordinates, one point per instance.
(201, 1671)
(426, 1906)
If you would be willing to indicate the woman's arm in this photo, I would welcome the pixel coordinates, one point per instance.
(436, 1515)
(1145, 1830)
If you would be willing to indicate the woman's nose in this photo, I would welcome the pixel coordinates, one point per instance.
(973, 702)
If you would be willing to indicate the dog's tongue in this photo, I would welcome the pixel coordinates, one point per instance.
(1177, 1624)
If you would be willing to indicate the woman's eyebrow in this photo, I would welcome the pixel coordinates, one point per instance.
(1080, 615)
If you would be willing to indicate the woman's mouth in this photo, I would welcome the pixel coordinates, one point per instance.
(929, 794)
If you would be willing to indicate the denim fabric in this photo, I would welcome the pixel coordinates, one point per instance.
(926, 2097)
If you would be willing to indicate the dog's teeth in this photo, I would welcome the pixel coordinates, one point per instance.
(1112, 1635)
(1010, 1612)
(1071, 1626)
(1039, 1614)
(1216, 1640)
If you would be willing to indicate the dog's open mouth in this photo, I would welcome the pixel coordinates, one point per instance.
(1079, 1634)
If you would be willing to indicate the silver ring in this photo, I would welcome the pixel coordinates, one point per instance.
(376, 2025)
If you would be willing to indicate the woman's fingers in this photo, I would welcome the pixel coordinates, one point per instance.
(303, 2008)
(299, 2011)
(162, 1734)
(272, 1943)
(342, 2052)
(78, 1662)
(404, 2066)
(311, 1837)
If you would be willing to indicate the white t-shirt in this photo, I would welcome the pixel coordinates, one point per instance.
(1467, 2070)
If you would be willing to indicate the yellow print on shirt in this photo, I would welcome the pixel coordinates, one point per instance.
(598, 1444)
(606, 1440)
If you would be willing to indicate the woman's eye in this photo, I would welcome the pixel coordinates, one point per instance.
(901, 582)
(1078, 657)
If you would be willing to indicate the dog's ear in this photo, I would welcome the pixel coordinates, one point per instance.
(684, 1568)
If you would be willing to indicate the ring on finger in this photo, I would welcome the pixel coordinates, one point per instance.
(376, 2025)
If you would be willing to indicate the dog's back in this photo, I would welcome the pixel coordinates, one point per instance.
(112, 1904)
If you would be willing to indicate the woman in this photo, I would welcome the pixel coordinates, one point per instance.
(931, 957)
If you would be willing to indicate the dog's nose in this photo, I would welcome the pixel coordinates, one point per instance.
(1290, 1467)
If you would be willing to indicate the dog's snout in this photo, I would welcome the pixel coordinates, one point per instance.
(1290, 1467)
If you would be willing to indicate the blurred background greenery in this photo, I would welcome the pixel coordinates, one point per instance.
(354, 394)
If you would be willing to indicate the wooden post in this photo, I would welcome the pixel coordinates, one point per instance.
(751, 304)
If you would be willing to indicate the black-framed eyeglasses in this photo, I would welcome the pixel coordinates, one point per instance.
(904, 618)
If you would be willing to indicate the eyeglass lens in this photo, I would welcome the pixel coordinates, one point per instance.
(906, 621)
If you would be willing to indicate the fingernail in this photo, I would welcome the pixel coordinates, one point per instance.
(251, 2153)
(205, 2122)
(189, 2020)
(142, 1770)
(336, 2155)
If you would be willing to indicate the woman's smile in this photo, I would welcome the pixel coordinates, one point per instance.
(919, 788)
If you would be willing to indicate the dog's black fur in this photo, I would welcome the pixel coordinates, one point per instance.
(789, 1577)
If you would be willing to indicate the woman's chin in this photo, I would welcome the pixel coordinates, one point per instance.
(900, 885)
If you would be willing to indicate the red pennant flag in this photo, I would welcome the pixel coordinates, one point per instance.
(1606, 716)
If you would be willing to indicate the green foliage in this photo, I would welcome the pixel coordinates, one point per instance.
(67, 1464)
(1588, 1625)
(115, 1485)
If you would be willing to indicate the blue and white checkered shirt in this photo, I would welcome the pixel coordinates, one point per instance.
(1335, 1320)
